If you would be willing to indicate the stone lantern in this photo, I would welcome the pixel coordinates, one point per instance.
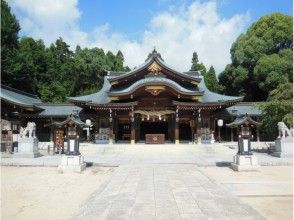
(72, 160)
(244, 160)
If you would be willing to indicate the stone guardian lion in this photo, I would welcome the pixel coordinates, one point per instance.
(283, 130)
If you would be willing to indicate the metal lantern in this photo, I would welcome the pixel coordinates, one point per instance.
(220, 123)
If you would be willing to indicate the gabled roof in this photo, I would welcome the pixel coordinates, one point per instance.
(247, 120)
(205, 96)
(19, 98)
(73, 118)
(154, 56)
(241, 109)
(57, 110)
(156, 81)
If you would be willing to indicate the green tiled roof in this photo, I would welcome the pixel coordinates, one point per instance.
(57, 110)
(243, 120)
(241, 109)
(72, 118)
(18, 97)
(156, 81)
(154, 56)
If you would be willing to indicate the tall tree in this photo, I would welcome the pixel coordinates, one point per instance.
(264, 54)
(9, 43)
(196, 66)
(211, 81)
(30, 64)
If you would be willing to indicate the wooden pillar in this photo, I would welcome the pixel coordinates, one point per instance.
(133, 132)
(257, 134)
(232, 135)
(133, 128)
(110, 127)
(177, 134)
(177, 141)
(110, 133)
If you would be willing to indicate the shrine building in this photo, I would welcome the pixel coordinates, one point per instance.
(154, 104)
(151, 104)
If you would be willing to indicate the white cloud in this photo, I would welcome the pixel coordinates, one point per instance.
(176, 33)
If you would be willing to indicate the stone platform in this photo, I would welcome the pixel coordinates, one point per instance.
(72, 163)
(245, 163)
(27, 148)
(283, 148)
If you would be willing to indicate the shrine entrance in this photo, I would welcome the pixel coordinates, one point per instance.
(158, 127)
(185, 131)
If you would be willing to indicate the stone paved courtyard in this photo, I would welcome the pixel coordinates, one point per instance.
(167, 182)
(163, 192)
(119, 154)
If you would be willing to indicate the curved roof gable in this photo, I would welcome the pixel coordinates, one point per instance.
(153, 58)
(155, 81)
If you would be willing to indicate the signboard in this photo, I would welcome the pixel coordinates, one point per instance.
(72, 145)
(245, 145)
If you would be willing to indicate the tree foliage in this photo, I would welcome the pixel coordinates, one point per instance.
(209, 76)
(211, 81)
(279, 107)
(53, 72)
(196, 66)
(9, 42)
(261, 58)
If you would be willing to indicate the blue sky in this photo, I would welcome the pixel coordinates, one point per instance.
(131, 17)
(176, 28)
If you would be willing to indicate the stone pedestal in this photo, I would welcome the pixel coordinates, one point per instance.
(245, 163)
(283, 147)
(27, 148)
(72, 163)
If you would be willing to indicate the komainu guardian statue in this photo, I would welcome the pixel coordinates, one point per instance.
(283, 130)
(29, 130)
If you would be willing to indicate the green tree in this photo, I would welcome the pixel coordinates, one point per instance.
(30, 64)
(9, 44)
(234, 80)
(52, 92)
(279, 107)
(211, 81)
(265, 51)
(196, 66)
(88, 70)
(273, 70)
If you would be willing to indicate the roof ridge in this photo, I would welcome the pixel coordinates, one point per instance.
(19, 91)
(56, 104)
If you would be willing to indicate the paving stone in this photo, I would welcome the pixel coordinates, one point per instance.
(155, 198)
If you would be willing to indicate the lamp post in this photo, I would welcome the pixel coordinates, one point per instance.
(220, 123)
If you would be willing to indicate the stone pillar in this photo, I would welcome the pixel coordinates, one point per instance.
(257, 134)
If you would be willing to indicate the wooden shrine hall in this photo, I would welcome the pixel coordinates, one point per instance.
(153, 104)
